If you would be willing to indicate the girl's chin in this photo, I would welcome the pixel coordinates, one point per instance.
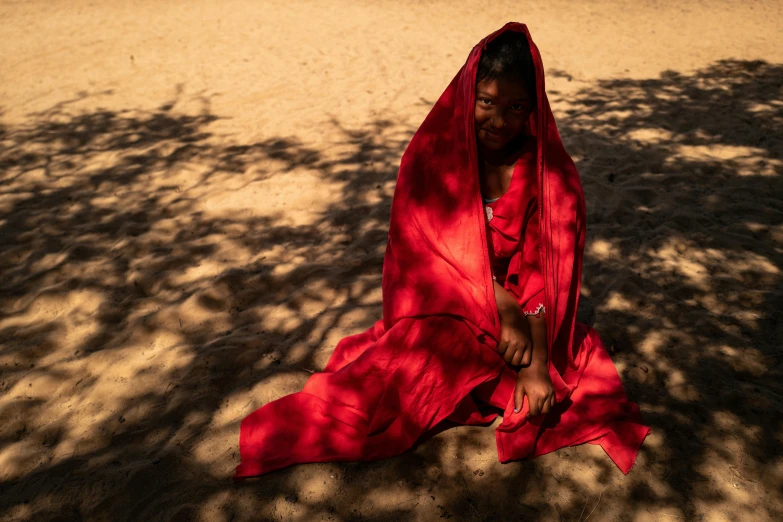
(490, 144)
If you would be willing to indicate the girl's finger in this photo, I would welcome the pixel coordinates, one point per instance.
(519, 397)
(534, 409)
(527, 357)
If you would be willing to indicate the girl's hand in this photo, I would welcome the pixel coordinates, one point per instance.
(534, 381)
(515, 344)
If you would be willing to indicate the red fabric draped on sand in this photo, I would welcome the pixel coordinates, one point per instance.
(432, 356)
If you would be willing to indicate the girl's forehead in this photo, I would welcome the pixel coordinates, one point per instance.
(503, 87)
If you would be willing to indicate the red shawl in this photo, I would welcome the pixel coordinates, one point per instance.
(432, 356)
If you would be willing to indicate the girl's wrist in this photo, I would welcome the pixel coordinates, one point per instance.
(508, 308)
(536, 367)
(539, 355)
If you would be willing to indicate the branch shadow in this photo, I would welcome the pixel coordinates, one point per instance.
(682, 178)
(143, 317)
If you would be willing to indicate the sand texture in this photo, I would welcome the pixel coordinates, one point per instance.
(194, 198)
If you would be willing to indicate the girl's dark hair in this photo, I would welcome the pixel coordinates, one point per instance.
(508, 56)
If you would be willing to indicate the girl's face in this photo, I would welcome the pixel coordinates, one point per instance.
(503, 107)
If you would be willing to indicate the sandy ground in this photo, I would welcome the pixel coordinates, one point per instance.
(193, 206)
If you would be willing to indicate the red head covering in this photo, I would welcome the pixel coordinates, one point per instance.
(437, 258)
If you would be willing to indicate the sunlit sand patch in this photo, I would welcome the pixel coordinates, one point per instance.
(309, 303)
(728, 422)
(17, 456)
(695, 272)
(367, 298)
(618, 302)
(744, 161)
(281, 319)
(232, 410)
(204, 269)
(284, 268)
(680, 387)
(656, 514)
(603, 249)
(276, 195)
(41, 385)
(752, 361)
(78, 305)
(736, 493)
(39, 175)
(753, 262)
(769, 107)
(272, 387)
(298, 352)
(651, 135)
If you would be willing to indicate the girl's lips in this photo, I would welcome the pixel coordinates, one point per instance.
(493, 135)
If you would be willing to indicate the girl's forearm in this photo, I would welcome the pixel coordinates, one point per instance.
(538, 335)
(505, 301)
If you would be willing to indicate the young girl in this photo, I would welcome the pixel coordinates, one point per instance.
(480, 290)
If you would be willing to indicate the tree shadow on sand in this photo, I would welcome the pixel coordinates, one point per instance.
(138, 326)
(690, 304)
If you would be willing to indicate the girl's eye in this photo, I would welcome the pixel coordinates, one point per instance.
(519, 107)
(485, 101)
